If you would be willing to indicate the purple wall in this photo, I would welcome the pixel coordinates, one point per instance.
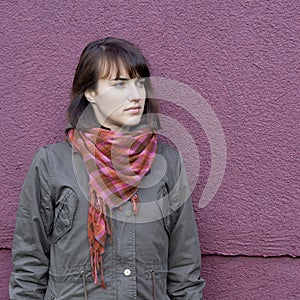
(242, 56)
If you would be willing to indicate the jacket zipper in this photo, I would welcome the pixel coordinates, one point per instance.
(84, 284)
(153, 284)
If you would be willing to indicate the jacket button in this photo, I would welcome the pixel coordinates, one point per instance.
(128, 213)
(127, 272)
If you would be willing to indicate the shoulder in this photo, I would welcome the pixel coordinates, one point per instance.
(56, 147)
(59, 147)
(60, 150)
(44, 161)
(51, 154)
(171, 158)
(167, 151)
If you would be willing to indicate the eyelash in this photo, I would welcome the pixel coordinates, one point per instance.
(119, 84)
(139, 83)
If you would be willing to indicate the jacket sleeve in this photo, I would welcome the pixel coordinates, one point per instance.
(184, 281)
(31, 243)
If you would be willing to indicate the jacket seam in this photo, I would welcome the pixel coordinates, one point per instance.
(47, 198)
(50, 164)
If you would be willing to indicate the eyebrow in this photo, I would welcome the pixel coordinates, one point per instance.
(119, 78)
(125, 79)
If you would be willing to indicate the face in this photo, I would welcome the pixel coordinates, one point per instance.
(118, 102)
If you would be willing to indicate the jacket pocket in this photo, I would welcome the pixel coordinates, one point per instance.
(64, 214)
(164, 206)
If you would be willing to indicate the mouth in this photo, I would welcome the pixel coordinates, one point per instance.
(134, 109)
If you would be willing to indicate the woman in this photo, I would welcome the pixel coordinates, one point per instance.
(100, 216)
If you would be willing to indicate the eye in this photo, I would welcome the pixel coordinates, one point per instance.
(140, 82)
(119, 84)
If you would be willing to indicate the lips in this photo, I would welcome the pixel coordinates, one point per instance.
(133, 109)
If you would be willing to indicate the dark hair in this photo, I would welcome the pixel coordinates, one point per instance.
(97, 61)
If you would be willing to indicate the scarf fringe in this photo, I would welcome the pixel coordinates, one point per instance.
(135, 203)
(97, 249)
(97, 264)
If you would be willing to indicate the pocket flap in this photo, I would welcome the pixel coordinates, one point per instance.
(65, 214)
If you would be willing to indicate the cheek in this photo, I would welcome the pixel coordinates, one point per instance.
(144, 93)
(110, 102)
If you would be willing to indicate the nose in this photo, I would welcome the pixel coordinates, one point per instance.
(134, 92)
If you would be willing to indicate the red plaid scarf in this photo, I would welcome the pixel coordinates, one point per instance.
(116, 163)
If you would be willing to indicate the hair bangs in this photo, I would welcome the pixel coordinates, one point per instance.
(116, 61)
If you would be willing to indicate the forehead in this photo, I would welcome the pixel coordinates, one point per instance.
(115, 68)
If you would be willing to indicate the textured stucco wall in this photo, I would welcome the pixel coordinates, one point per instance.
(242, 56)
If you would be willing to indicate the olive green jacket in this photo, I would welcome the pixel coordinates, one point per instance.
(154, 255)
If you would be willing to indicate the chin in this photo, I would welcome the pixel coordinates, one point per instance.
(133, 122)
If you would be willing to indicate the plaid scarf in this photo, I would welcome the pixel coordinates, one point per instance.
(116, 163)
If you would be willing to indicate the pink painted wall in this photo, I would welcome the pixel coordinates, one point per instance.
(242, 56)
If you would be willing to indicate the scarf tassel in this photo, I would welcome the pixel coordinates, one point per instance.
(97, 264)
(97, 203)
(135, 202)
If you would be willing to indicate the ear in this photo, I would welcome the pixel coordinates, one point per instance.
(90, 96)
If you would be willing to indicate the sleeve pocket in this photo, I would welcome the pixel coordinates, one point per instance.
(64, 214)
(164, 206)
